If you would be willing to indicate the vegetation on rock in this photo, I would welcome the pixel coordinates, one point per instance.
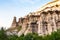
(30, 36)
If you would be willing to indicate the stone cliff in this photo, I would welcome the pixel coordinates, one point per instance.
(44, 21)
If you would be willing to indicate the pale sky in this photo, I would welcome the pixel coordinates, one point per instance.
(18, 8)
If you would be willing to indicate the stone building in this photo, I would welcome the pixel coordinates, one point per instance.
(44, 21)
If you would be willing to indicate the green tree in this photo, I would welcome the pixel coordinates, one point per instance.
(28, 37)
(13, 37)
(3, 35)
(21, 37)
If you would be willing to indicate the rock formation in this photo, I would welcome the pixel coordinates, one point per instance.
(44, 21)
(14, 23)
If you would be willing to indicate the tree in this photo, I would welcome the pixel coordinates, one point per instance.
(13, 37)
(28, 37)
(21, 37)
(3, 35)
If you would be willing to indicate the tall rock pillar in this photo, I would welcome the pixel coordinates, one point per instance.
(14, 23)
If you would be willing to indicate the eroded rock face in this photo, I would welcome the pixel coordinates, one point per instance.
(20, 21)
(44, 21)
(48, 22)
(14, 23)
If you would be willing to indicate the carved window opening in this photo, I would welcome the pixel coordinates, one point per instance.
(51, 12)
(45, 28)
(34, 27)
(57, 12)
(56, 5)
(45, 13)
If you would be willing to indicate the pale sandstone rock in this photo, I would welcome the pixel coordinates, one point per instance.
(43, 21)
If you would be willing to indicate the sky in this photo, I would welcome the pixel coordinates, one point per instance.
(18, 8)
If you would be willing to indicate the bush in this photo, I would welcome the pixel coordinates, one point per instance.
(30, 36)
